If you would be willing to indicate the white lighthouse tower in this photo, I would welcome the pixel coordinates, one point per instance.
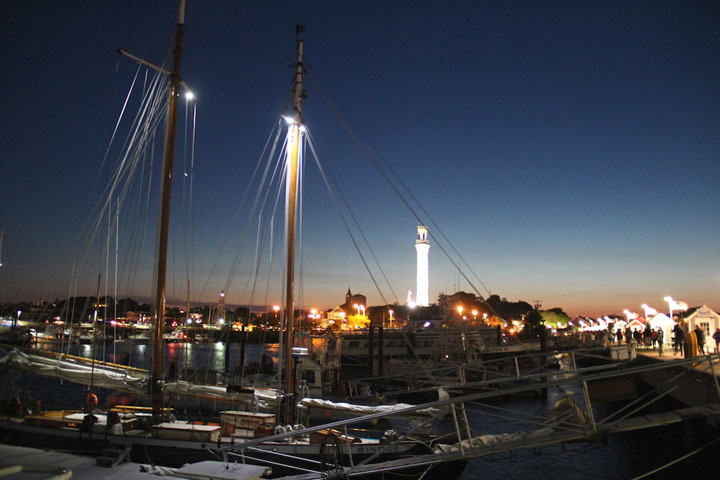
(422, 246)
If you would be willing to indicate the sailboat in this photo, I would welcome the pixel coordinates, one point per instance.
(153, 432)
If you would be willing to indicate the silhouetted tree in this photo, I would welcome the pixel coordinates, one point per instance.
(533, 325)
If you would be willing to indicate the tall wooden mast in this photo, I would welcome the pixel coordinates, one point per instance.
(163, 227)
(291, 184)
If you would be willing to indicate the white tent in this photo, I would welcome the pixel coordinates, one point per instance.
(666, 324)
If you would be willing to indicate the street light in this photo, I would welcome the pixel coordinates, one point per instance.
(276, 309)
(474, 314)
(649, 311)
(674, 305)
(460, 310)
(630, 315)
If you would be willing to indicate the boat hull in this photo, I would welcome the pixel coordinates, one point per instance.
(285, 458)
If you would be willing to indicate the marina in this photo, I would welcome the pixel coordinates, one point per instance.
(136, 370)
(488, 415)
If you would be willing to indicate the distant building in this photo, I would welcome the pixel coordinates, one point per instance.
(449, 303)
(349, 307)
(350, 314)
(422, 247)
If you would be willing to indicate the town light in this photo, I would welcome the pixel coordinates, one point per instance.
(460, 310)
(630, 315)
(649, 311)
(189, 96)
(675, 305)
(474, 314)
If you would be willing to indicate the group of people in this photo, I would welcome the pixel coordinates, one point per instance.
(688, 342)
(654, 337)
(691, 343)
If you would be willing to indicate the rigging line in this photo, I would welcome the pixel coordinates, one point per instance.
(680, 459)
(142, 208)
(239, 253)
(192, 182)
(253, 209)
(184, 192)
(148, 102)
(119, 172)
(300, 185)
(137, 155)
(69, 302)
(256, 265)
(372, 159)
(138, 216)
(409, 191)
(245, 232)
(273, 147)
(260, 244)
(357, 223)
(117, 125)
(117, 239)
(425, 212)
(107, 277)
(273, 177)
(276, 205)
(100, 205)
(347, 227)
(227, 236)
(288, 62)
(270, 258)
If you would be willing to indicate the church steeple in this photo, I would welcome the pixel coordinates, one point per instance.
(348, 295)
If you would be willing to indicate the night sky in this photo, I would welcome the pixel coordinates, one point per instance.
(569, 150)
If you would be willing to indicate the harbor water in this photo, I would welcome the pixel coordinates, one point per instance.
(619, 456)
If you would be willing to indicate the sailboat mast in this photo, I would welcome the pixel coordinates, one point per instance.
(293, 154)
(159, 317)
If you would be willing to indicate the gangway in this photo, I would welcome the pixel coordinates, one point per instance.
(581, 424)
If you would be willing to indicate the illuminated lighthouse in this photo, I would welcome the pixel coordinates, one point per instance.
(422, 246)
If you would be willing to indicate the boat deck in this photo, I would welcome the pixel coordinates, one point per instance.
(32, 463)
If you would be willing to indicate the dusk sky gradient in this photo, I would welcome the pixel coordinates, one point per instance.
(569, 150)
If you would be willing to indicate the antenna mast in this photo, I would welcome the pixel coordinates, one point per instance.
(291, 184)
(163, 227)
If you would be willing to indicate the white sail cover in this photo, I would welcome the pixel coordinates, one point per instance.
(263, 398)
(364, 409)
(99, 375)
